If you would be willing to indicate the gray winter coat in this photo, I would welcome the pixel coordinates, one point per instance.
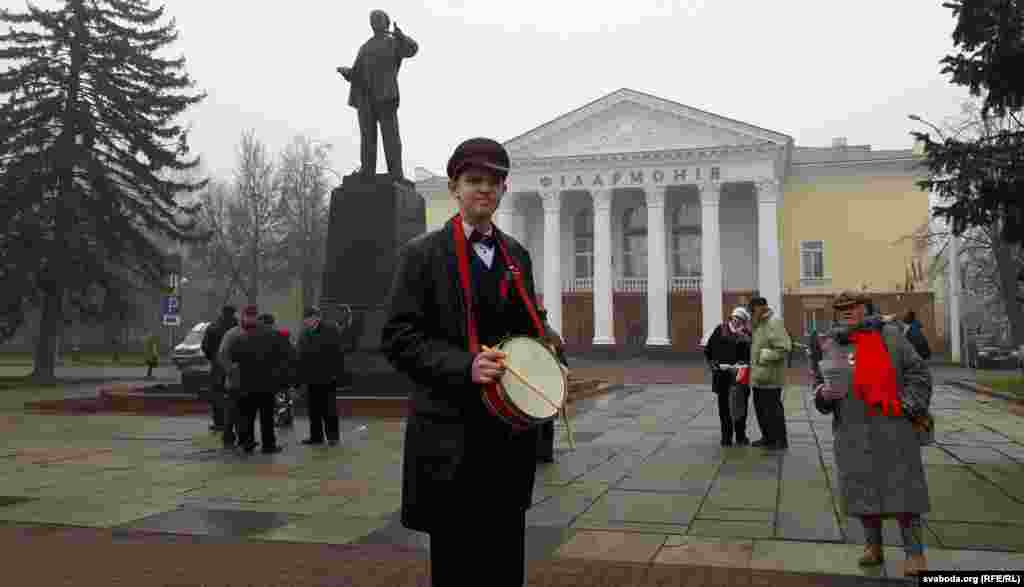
(878, 458)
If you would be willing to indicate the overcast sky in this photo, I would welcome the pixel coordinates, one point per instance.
(812, 69)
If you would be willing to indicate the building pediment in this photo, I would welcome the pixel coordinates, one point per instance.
(631, 121)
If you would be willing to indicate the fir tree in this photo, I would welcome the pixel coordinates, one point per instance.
(89, 142)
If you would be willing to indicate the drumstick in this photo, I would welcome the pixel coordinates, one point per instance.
(525, 382)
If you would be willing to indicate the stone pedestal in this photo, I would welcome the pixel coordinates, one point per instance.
(370, 220)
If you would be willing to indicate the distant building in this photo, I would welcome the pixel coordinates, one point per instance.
(652, 219)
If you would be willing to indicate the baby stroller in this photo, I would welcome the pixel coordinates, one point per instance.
(284, 407)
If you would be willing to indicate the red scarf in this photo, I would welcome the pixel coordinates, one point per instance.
(874, 377)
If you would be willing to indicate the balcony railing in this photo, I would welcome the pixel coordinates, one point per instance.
(631, 284)
(578, 284)
(684, 284)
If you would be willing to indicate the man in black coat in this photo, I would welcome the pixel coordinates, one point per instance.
(257, 356)
(320, 363)
(467, 476)
(218, 394)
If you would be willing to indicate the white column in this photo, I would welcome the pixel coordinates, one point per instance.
(953, 298)
(508, 217)
(769, 262)
(657, 280)
(553, 259)
(604, 316)
(710, 256)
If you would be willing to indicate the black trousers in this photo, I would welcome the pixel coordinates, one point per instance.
(721, 384)
(546, 441)
(771, 416)
(259, 403)
(234, 418)
(323, 411)
(496, 541)
(217, 398)
(385, 113)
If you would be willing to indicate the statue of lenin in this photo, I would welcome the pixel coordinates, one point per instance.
(374, 92)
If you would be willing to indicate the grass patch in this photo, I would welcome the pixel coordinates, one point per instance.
(22, 383)
(1008, 383)
(80, 360)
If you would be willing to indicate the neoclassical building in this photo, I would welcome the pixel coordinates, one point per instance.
(652, 219)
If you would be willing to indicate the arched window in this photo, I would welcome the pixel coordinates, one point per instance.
(686, 240)
(634, 242)
(583, 235)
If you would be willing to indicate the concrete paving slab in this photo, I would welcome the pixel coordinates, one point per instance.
(612, 546)
(211, 522)
(958, 536)
(699, 551)
(808, 557)
(585, 523)
(731, 529)
(323, 528)
(80, 512)
(632, 506)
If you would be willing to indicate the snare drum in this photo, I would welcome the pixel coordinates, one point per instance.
(512, 400)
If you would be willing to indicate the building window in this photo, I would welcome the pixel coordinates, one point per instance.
(812, 260)
(686, 240)
(634, 242)
(583, 233)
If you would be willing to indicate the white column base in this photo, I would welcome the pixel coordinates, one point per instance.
(660, 341)
(603, 341)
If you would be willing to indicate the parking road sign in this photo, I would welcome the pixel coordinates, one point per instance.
(170, 309)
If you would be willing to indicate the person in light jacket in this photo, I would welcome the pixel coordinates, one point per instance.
(770, 344)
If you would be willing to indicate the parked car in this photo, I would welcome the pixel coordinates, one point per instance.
(189, 359)
(997, 357)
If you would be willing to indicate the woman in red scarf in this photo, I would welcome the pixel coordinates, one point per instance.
(878, 389)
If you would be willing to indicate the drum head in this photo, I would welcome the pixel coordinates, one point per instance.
(540, 367)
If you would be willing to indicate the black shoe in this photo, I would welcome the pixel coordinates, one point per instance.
(762, 442)
(743, 442)
(270, 450)
(726, 442)
(249, 446)
(333, 442)
(312, 441)
(777, 445)
(216, 428)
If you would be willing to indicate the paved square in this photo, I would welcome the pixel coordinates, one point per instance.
(648, 484)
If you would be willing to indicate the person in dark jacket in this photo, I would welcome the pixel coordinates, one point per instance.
(729, 344)
(467, 476)
(320, 362)
(255, 357)
(915, 334)
(218, 393)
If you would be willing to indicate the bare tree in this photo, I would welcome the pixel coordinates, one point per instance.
(218, 263)
(303, 208)
(255, 224)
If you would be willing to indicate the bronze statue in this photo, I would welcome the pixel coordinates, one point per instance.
(374, 92)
